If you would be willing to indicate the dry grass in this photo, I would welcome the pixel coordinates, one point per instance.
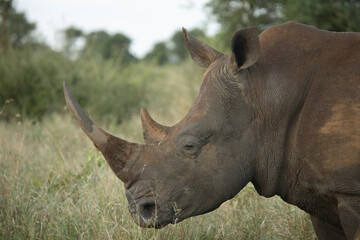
(55, 185)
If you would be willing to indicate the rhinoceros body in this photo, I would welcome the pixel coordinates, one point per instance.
(281, 111)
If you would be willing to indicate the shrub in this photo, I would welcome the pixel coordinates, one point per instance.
(33, 79)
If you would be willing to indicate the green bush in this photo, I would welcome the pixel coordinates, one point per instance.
(30, 79)
(33, 80)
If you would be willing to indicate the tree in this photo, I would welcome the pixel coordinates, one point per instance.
(235, 14)
(71, 35)
(102, 45)
(118, 47)
(160, 54)
(95, 44)
(333, 15)
(15, 29)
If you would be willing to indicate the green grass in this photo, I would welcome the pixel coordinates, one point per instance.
(54, 184)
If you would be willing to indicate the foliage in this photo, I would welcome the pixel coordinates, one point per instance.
(334, 15)
(175, 51)
(235, 14)
(15, 29)
(99, 45)
(33, 79)
(71, 35)
(159, 54)
(104, 46)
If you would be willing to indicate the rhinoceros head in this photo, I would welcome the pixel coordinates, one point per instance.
(194, 166)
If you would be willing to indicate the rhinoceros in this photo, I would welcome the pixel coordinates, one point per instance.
(281, 111)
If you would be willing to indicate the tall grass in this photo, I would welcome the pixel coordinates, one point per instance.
(55, 185)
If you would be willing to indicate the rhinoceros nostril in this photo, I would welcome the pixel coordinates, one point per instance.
(147, 211)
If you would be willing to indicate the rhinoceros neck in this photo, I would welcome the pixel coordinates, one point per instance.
(278, 91)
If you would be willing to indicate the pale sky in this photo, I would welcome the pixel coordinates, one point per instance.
(145, 22)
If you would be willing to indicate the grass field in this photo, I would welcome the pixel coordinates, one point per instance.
(54, 184)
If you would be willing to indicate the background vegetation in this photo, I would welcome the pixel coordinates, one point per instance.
(332, 15)
(55, 185)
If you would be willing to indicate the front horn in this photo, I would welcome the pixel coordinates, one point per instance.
(115, 150)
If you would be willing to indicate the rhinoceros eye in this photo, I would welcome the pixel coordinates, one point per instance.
(189, 146)
(191, 150)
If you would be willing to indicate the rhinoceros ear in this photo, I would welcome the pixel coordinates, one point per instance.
(245, 48)
(202, 54)
(153, 132)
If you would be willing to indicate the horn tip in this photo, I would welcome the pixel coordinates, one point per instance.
(144, 115)
(186, 35)
(67, 92)
(143, 111)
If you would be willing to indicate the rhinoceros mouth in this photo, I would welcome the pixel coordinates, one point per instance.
(148, 214)
(151, 221)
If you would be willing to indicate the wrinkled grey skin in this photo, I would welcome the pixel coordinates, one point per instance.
(281, 111)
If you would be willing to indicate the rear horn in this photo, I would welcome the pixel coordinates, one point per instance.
(153, 132)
